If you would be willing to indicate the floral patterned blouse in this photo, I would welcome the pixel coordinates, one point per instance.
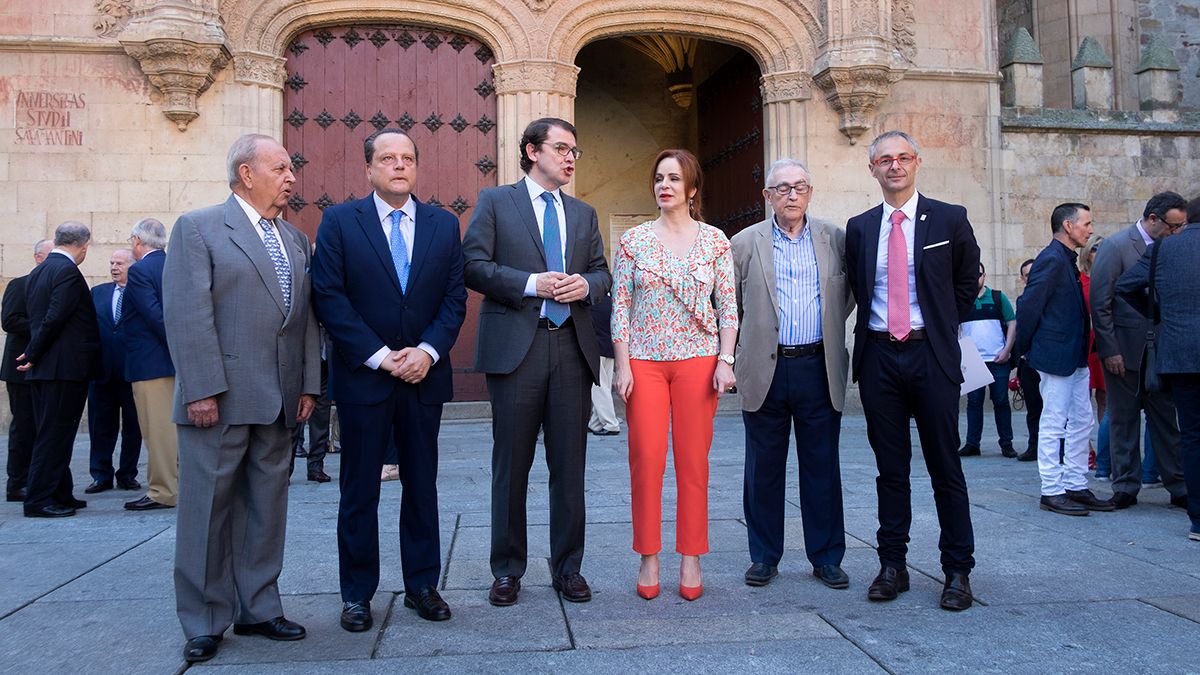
(663, 306)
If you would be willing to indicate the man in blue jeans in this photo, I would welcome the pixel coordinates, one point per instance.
(993, 327)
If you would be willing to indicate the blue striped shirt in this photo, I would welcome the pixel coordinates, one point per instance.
(798, 287)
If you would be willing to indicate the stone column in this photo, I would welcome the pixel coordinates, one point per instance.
(525, 91)
(1022, 71)
(1158, 81)
(1092, 77)
(784, 95)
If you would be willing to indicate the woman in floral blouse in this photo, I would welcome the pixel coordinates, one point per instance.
(674, 329)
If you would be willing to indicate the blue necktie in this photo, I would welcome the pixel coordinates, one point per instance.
(117, 309)
(555, 311)
(399, 250)
(282, 269)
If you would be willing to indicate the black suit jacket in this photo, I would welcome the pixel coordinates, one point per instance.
(14, 317)
(503, 246)
(112, 335)
(64, 340)
(946, 258)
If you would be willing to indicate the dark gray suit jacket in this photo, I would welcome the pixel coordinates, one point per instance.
(1176, 280)
(503, 246)
(227, 330)
(1120, 329)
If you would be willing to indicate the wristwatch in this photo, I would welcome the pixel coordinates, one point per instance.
(727, 358)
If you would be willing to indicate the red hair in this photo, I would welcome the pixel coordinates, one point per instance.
(693, 177)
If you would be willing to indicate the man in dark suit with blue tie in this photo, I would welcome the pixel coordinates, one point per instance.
(110, 398)
(913, 265)
(537, 257)
(388, 287)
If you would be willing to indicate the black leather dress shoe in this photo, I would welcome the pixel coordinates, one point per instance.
(761, 574)
(356, 616)
(1086, 498)
(1028, 456)
(956, 593)
(504, 591)
(17, 495)
(278, 628)
(201, 648)
(888, 584)
(129, 484)
(1123, 500)
(573, 587)
(145, 504)
(832, 576)
(1008, 451)
(1179, 501)
(969, 450)
(1061, 504)
(319, 476)
(429, 605)
(98, 486)
(76, 503)
(52, 511)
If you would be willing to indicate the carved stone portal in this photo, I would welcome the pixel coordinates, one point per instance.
(855, 93)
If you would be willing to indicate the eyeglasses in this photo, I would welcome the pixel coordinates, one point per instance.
(562, 150)
(886, 162)
(783, 189)
(391, 160)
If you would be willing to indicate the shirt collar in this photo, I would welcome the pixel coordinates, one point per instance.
(1142, 230)
(535, 191)
(62, 252)
(778, 233)
(909, 208)
(1072, 253)
(252, 213)
(385, 210)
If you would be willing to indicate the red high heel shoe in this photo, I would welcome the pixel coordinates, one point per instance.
(648, 592)
(690, 593)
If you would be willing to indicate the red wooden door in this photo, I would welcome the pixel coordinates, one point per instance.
(731, 145)
(344, 83)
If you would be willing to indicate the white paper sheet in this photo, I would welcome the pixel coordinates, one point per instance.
(975, 372)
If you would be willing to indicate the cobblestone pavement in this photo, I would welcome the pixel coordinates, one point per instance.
(1113, 592)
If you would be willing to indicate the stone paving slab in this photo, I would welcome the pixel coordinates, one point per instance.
(30, 571)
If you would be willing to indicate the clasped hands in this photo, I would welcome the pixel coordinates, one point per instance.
(561, 287)
(410, 364)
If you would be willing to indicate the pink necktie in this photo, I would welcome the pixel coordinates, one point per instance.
(899, 324)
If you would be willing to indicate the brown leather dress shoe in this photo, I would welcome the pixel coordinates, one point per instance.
(956, 594)
(888, 584)
(573, 587)
(504, 591)
(319, 476)
(429, 605)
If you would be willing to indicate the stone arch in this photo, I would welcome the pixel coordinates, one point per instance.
(781, 35)
(266, 26)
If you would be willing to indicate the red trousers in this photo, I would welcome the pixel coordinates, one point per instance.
(678, 394)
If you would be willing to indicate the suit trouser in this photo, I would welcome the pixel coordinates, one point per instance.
(318, 428)
(154, 399)
(21, 432)
(798, 398)
(111, 411)
(604, 413)
(58, 407)
(899, 381)
(230, 528)
(678, 395)
(1125, 405)
(367, 431)
(1185, 389)
(549, 390)
(1031, 390)
(1066, 421)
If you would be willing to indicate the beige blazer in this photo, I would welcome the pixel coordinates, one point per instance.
(758, 307)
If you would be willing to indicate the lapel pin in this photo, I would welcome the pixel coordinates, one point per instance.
(923, 216)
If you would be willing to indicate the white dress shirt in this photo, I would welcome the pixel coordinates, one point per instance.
(879, 299)
(408, 228)
(539, 211)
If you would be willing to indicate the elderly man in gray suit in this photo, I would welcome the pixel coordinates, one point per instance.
(792, 366)
(247, 358)
(1120, 338)
(536, 255)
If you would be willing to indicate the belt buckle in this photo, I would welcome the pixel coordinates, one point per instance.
(790, 351)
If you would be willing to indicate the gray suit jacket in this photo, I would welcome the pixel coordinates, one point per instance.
(758, 308)
(226, 326)
(1120, 329)
(1176, 280)
(502, 247)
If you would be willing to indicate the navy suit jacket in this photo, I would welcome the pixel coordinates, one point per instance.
(358, 298)
(946, 258)
(1052, 320)
(146, 354)
(14, 317)
(64, 342)
(112, 335)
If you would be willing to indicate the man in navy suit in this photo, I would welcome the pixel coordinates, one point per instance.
(913, 266)
(148, 365)
(14, 316)
(388, 287)
(110, 398)
(1052, 332)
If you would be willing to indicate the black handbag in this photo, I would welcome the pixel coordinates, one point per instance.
(1151, 381)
